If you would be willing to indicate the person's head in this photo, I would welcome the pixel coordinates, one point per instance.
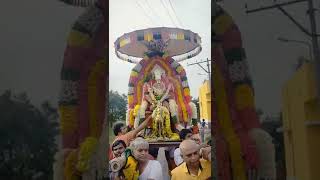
(119, 128)
(209, 142)
(140, 149)
(203, 120)
(196, 138)
(185, 134)
(118, 147)
(190, 152)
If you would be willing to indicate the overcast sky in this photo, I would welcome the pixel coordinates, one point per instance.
(33, 36)
(271, 62)
(32, 41)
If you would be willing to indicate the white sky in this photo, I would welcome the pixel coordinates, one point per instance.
(130, 15)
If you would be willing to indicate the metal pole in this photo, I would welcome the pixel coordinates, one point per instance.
(315, 44)
(275, 6)
(209, 74)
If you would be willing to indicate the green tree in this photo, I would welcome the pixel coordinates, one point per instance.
(27, 138)
(117, 107)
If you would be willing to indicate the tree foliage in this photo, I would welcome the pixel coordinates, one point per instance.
(117, 106)
(27, 138)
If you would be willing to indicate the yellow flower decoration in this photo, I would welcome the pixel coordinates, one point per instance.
(134, 74)
(244, 97)
(130, 99)
(131, 117)
(222, 24)
(79, 39)
(68, 116)
(223, 112)
(186, 91)
(179, 69)
(87, 148)
(136, 110)
(93, 100)
(69, 167)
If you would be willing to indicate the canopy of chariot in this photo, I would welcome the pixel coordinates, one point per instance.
(158, 84)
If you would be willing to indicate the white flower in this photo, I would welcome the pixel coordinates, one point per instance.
(69, 90)
(91, 19)
(239, 71)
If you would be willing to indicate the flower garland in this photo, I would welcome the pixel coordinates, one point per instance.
(181, 102)
(68, 118)
(79, 39)
(224, 119)
(222, 23)
(87, 148)
(69, 170)
(244, 97)
(132, 115)
(93, 104)
(136, 110)
(182, 91)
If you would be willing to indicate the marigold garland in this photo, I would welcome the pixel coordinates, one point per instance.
(224, 120)
(244, 97)
(79, 39)
(186, 111)
(98, 69)
(87, 148)
(222, 23)
(68, 117)
(69, 167)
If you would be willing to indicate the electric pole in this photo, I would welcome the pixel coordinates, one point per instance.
(313, 34)
(206, 70)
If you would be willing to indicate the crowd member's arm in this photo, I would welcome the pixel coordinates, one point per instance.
(132, 134)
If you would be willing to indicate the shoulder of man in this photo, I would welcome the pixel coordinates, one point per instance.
(205, 162)
(178, 168)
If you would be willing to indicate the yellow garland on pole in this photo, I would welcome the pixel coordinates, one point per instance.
(244, 97)
(69, 167)
(78, 39)
(98, 69)
(223, 113)
(68, 114)
(222, 23)
(87, 148)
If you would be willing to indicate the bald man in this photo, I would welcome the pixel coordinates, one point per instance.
(193, 167)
